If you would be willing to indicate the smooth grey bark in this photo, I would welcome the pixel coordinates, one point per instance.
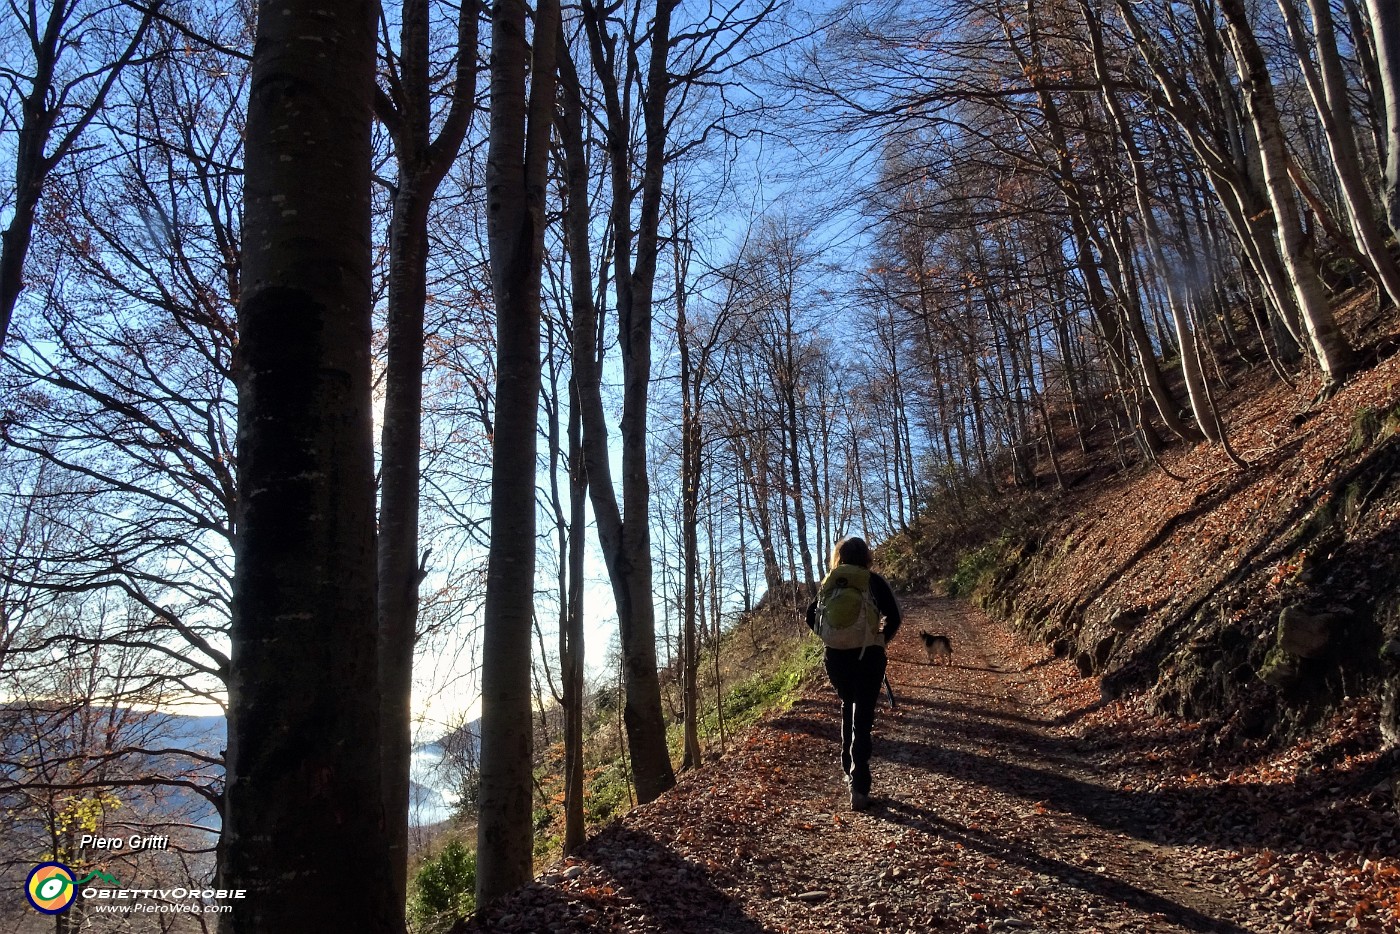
(1233, 163)
(583, 341)
(1116, 256)
(624, 529)
(571, 635)
(1334, 354)
(1327, 86)
(691, 466)
(516, 164)
(406, 110)
(1385, 35)
(1177, 303)
(1368, 72)
(1084, 230)
(302, 830)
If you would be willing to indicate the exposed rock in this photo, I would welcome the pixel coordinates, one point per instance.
(1102, 651)
(1305, 634)
(1085, 663)
(1125, 620)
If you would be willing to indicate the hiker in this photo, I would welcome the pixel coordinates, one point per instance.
(846, 614)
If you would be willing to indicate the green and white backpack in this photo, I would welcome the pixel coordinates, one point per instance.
(846, 616)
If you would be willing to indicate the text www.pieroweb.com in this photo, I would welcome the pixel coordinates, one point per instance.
(185, 908)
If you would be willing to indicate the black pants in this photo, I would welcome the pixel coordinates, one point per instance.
(857, 681)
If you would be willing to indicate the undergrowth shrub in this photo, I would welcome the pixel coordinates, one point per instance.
(750, 699)
(443, 889)
(948, 538)
(975, 568)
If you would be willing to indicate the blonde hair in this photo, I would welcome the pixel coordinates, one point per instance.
(851, 550)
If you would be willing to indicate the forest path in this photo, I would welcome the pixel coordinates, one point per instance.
(1005, 799)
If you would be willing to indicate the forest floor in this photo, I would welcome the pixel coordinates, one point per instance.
(1008, 796)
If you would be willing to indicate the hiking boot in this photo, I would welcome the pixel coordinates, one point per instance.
(859, 801)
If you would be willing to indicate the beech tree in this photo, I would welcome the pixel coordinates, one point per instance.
(304, 716)
(517, 162)
(404, 102)
(1385, 34)
(1333, 351)
(624, 530)
(1327, 86)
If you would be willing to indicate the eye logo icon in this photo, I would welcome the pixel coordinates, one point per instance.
(50, 888)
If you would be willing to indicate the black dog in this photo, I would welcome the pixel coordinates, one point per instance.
(937, 646)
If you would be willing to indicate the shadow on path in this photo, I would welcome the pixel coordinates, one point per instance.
(1168, 816)
(647, 877)
(1123, 893)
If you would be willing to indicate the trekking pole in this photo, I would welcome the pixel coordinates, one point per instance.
(890, 691)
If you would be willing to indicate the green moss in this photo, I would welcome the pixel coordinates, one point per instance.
(1370, 425)
(606, 795)
(547, 847)
(1279, 669)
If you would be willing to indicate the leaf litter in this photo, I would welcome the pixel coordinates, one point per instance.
(1009, 796)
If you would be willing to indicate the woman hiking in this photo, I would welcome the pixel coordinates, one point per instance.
(846, 614)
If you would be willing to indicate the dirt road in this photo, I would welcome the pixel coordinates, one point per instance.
(1008, 797)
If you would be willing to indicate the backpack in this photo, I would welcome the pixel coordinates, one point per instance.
(846, 616)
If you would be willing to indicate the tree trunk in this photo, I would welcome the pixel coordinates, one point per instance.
(690, 544)
(1084, 230)
(1152, 234)
(571, 639)
(398, 517)
(626, 540)
(516, 163)
(422, 162)
(1385, 34)
(1328, 88)
(576, 222)
(1233, 164)
(1334, 353)
(792, 451)
(302, 830)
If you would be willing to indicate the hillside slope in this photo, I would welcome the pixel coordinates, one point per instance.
(1253, 599)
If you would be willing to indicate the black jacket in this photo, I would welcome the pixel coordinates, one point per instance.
(882, 596)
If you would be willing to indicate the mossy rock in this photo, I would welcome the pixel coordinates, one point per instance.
(1370, 425)
(1280, 669)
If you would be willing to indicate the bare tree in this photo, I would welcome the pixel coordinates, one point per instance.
(1334, 353)
(623, 525)
(66, 58)
(404, 102)
(1385, 33)
(515, 187)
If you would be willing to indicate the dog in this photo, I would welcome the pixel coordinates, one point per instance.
(937, 647)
